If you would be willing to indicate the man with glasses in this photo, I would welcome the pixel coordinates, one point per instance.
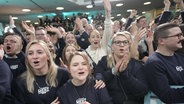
(165, 67)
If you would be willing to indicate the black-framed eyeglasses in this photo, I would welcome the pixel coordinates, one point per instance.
(125, 42)
(179, 35)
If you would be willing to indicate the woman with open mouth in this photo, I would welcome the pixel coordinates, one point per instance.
(123, 75)
(81, 88)
(39, 84)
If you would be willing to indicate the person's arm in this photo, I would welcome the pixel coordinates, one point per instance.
(78, 23)
(133, 13)
(102, 70)
(103, 96)
(132, 79)
(165, 16)
(30, 29)
(108, 31)
(5, 81)
(138, 35)
(149, 42)
(12, 25)
(19, 92)
(181, 4)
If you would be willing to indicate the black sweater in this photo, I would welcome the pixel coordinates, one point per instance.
(5, 83)
(71, 94)
(43, 94)
(163, 71)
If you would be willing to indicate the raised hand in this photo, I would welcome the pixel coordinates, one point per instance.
(1, 52)
(167, 4)
(177, 1)
(30, 29)
(12, 22)
(122, 64)
(140, 34)
(107, 7)
(180, 3)
(62, 63)
(99, 84)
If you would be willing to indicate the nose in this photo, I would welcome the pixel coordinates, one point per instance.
(80, 66)
(35, 55)
(182, 38)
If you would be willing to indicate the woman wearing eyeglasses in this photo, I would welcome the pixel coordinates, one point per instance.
(123, 75)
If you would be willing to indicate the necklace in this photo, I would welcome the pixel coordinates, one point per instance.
(37, 84)
(80, 91)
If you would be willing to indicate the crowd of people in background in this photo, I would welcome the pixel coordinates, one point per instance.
(73, 61)
(68, 22)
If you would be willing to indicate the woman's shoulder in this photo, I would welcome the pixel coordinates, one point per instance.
(62, 75)
(136, 61)
(62, 70)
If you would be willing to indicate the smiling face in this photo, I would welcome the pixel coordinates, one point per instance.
(94, 39)
(79, 68)
(37, 59)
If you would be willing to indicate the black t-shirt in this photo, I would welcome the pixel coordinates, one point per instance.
(43, 94)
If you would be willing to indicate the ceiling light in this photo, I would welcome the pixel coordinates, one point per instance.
(89, 6)
(147, 3)
(59, 8)
(143, 12)
(28, 21)
(119, 4)
(39, 16)
(14, 17)
(123, 20)
(112, 17)
(36, 23)
(129, 10)
(26, 10)
(118, 15)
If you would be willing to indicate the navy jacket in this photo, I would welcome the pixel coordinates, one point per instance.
(5, 83)
(128, 85)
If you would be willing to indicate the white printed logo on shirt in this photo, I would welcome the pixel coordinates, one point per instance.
(179, 68)
(80, 100)
(43, 90)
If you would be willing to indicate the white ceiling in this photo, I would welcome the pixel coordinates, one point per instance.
(44, 7)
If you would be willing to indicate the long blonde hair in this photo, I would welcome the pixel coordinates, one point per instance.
(52, 68)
